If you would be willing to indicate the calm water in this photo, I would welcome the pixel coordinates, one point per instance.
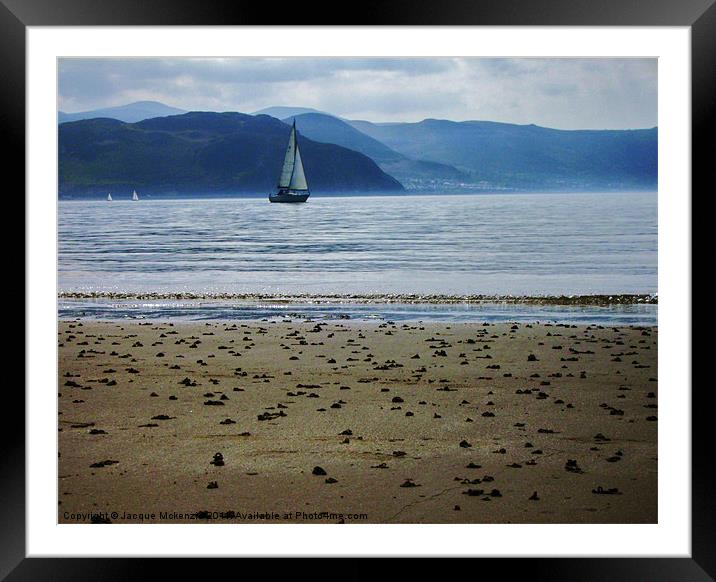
(520, 244)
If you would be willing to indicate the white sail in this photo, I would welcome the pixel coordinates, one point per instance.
(298, 179)
(289, 161)
(134, 195)
(109, 197)
(292, 184)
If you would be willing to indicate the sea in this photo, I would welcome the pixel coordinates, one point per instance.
(288, 255)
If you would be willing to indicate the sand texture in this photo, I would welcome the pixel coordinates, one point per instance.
(358, 422)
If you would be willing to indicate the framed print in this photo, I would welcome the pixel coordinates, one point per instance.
(414, 285)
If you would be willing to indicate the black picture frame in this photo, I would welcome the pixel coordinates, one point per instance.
(17, 15)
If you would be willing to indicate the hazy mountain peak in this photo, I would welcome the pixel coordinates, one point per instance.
(282, 112)
(129, 113)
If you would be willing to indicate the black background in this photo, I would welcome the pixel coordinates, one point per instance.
(16, 15)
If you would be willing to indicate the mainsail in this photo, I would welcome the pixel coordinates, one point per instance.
(134, 195)
(292, 175)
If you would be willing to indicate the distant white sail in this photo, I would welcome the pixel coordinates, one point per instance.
(109, 197)
(134, 195)
(298, 179)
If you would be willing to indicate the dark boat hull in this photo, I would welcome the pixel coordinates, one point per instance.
(289, 198)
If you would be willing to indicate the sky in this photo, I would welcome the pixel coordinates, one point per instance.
(564, 93)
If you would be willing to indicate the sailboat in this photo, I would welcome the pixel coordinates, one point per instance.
(134, 195)
(292, 184)
(109, 197)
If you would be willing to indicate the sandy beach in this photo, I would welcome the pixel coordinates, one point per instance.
(356, 422)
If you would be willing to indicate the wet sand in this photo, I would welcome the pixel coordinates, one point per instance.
(298, 422)
(402, 298)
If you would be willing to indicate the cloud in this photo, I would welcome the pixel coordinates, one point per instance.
(562, 93)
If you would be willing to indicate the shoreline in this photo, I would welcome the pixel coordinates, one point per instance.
(394, 423)
(376, 298)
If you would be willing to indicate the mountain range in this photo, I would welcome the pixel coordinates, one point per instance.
(155, 147)
(407, 170)
(202, 152)
(505, 155)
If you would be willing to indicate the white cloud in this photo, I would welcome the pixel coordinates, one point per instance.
(561, 93)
